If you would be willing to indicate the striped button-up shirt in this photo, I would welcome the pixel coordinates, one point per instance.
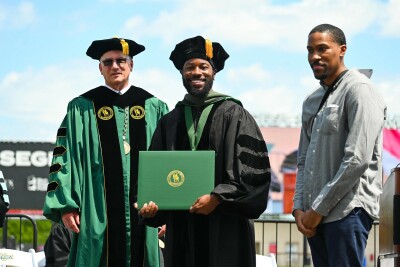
(339, 157)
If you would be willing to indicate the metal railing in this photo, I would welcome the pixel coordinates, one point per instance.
(278, 234)
(275, 233)
(19, 245)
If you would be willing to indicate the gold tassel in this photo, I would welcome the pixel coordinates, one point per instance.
(209, 49)
(125, 47)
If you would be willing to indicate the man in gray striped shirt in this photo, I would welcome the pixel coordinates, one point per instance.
(339, 160)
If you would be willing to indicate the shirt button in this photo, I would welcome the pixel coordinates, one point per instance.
(313, 151)
(311, 172)
(317, 130)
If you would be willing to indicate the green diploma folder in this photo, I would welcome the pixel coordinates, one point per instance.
(174, 179)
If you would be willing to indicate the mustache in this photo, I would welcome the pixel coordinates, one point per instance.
(319, 64)
(196, 79)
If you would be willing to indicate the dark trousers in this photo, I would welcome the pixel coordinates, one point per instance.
(341, 243)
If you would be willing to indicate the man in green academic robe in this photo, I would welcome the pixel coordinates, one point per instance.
(218, 228)
(93, 176)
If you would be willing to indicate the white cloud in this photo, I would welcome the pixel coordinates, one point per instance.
(165, 86)
(254, 73)
(132, 24)
(257, 22)
(43, 94)
(390, 91)
(308, 82)
(10, 79)
(267, 90)
(36, 99)
(17, 16)
(391, 19)
(276, 100)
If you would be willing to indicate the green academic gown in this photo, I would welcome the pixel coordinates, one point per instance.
(91, 174)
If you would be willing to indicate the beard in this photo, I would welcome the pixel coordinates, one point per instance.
(199, 92)
(320, 75)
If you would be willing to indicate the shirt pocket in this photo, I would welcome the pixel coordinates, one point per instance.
(330, 120)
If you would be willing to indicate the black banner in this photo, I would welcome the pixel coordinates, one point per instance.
(25, 166)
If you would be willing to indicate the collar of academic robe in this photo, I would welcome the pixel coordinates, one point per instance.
(105, 96)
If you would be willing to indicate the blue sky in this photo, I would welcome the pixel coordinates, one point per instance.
(43, 46)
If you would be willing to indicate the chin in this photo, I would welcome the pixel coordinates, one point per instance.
(198, 92)
(320, 76)
(201, 91)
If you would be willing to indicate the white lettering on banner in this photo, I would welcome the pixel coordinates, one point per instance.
(10, 184)
(25, 158)
(39, 158)
(22, 158)
(37, 183)
(7, 158)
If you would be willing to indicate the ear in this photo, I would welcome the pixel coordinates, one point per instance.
(131, 64)
(343, 49)
(101, 69)
(214, 74)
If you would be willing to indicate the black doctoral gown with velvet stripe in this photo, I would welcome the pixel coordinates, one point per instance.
(242, 178)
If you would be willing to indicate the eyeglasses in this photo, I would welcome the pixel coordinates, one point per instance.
(120, 62)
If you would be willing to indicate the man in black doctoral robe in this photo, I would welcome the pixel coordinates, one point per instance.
(218, 229)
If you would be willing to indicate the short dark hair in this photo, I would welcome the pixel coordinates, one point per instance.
(336, 33)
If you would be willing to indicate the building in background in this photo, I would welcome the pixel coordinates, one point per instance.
(283, 144)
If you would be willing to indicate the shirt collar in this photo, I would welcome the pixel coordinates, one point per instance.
(336, 82)
(121, 92)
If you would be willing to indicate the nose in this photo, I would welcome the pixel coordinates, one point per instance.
(196, 71)
(314, 57)
(114, 64)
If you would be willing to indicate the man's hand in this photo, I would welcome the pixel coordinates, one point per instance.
(311, 219)
(162, 230)
(298, 215)
(205, 204)
(71, 220)
(148, 210)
